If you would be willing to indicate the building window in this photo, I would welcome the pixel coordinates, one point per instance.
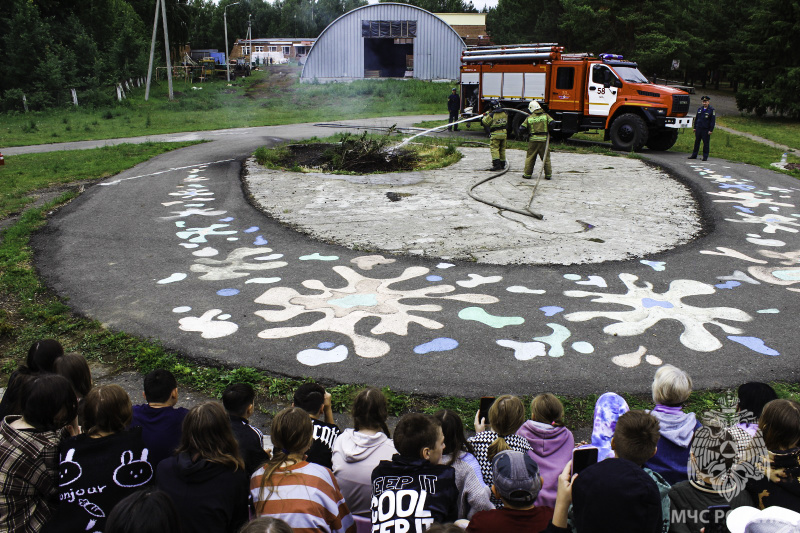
(246, 50)
(259, 48)
(287, 50)
(388, 28)
(565, 78)
(273, 48)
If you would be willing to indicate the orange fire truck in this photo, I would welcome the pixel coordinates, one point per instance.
(579, 91)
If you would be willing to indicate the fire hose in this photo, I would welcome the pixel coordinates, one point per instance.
(527, 212)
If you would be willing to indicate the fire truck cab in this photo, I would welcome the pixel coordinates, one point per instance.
(579, 91)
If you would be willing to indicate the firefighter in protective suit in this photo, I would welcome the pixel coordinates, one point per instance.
(537, 126)
(497, 122)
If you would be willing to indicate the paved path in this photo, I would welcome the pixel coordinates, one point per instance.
(172, 250)
(756, 138)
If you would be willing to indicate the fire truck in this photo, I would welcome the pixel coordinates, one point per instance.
(579, 91)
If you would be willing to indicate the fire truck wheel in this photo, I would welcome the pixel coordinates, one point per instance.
(629, 133)
(662, 140)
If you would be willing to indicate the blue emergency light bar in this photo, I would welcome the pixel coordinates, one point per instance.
(612, 57)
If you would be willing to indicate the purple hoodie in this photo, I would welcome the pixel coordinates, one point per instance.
(552, 450)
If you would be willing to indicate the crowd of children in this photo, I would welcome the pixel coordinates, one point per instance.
(77, 457)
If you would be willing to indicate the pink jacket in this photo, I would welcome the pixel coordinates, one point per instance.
(552, 450)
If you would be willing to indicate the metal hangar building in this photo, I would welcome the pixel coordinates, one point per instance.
(386, 40)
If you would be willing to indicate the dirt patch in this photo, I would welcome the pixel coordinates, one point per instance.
(793, 166)
(43, 196)
(331, 157)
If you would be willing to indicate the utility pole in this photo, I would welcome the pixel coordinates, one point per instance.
(159, 4)
(225, 21)
(249, 41)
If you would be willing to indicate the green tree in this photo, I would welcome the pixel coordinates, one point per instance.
(769, 65)
(524, 21)
(442, 6)
(647, 32)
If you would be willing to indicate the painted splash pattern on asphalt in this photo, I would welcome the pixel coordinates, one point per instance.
(236, 258)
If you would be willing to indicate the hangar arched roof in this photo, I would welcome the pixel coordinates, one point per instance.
(338, 53)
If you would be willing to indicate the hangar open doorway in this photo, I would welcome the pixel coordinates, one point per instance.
(388, 48)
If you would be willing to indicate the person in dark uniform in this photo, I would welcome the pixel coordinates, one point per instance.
(704, 124)
(453, 106)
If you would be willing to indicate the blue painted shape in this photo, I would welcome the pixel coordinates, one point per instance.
(739, 186)
(226, 219)
(441, 344)
(434, 278)
(228, 292)
(649, 302)
(251, 229)
(728, 284)
(755, 344)
(480, 315)
(743, 209)
(788, 275)
(326, 345)
(551, 310)
(658, 266)
(260, 241)
(316, 257)
(355, 300)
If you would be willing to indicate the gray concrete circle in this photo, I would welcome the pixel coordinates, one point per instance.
(598, 208)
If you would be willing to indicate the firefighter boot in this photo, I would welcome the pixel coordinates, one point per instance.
(502, 164)
(496, 165)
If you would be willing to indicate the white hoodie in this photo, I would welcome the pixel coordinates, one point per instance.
(355, 456)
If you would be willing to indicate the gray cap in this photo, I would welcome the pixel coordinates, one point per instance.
(516, 477)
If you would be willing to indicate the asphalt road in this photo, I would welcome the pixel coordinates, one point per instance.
(173, 250)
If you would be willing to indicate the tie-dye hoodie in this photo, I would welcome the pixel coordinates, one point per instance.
(607, 410)
(551, 448)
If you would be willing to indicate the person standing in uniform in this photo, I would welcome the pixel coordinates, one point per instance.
(453, 106)
(704, 124)
(536, 124)
(497, 121)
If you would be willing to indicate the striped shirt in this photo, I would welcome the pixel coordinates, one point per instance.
(306, 496)
(28, 466)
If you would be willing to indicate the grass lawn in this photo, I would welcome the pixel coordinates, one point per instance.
(25, 173)
(737, 148)
(266, 98)
(776, 129)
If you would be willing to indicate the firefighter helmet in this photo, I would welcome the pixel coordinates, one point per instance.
(534, 106)
(495, 103)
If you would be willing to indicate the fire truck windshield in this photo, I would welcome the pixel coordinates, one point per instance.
(630, 74)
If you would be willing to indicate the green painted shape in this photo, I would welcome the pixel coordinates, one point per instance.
(355, 300)
(479, 315)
